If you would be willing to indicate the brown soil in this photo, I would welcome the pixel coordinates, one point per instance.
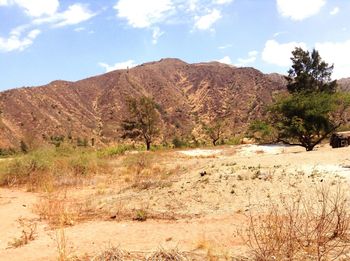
(185, 209)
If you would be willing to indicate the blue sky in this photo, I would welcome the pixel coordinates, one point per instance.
(45, 40)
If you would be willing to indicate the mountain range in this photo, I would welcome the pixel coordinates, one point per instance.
(93, 108)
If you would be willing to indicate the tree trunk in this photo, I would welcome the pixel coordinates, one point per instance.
(214, 142)
(148, 145)
(309, 147)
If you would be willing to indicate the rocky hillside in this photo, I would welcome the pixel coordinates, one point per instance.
(93, 108)
(344, 84)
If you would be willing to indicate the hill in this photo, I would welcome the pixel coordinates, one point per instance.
(187, 94)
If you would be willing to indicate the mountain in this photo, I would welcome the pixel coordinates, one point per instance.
(187, 94)
(344, 84)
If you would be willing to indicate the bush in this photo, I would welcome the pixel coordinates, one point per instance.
(315, 228)
(262, 132)
(179, 143)
(114, 151)
(7, 152)
(43, 168)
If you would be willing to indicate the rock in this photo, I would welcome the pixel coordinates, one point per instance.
(203, 173)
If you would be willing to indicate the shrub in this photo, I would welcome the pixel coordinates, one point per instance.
(43, 168)
(302, 228)
(179, 143)
(114, 151)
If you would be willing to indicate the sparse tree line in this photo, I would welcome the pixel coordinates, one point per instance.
(307, 114)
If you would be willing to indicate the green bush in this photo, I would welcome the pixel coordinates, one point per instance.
(49, 165)
(114, 151)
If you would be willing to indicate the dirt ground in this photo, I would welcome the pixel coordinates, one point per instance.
(194, 200)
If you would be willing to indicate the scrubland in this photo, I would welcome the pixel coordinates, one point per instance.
(243, 202)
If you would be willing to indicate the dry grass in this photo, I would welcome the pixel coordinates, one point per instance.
(58, 210)
(29, 233)
(111, 253)
(302, 228)
(144, 171)
(48, 168)
(61, 245)
(167, 255)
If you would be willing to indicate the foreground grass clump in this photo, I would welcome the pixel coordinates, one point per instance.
(315, 226)
(44, 168)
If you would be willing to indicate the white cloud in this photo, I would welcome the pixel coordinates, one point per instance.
(15, 43)
(205, 22)
(299, 9)
(338, 54)
(279, 33)
(226, 60)
(34, 8)
(143, 14)
(334, 11)
(4, 2)
(250, 59)
(33, 33)
(222, 2)
(192, 5)
(156, 34)
(280, 54)
(118, 66)
(79, 29)
(75, 14)
(223, 47)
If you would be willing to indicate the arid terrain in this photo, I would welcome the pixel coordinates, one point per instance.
(187, 94)
(195, 201)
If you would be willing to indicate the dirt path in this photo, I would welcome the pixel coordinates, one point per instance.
(91, 237)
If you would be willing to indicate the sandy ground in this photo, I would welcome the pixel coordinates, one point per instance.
(201, 204)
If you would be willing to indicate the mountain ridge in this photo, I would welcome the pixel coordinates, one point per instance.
(188, 94)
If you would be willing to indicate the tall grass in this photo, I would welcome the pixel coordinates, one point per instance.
(48, 167)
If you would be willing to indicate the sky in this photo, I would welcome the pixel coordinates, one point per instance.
(46, 40)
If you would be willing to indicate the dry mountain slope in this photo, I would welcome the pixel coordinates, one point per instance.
(93, 107)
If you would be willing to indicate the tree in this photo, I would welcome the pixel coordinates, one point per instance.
(214, 130)
(143, 121)
(313, 109)
(309, 73)
(262, 132)
(23, 146)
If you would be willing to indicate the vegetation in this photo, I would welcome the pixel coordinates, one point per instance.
(262, 132)
(143, 121)
(42, 169)
(313, 109)
(302, 228)
(215, 130)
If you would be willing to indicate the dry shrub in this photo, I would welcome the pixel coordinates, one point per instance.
(302, 228)
(115, 254)
(61, 245)
(167, 255)
(112, 254)
(144, 171)
(58, 210)
(29, 233)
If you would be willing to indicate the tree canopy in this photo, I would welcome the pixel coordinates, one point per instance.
(309, 73)
(313, 109)
(143, 120)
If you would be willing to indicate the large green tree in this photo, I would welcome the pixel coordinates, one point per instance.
(143, 121)
(309, 73)
(313, 109)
